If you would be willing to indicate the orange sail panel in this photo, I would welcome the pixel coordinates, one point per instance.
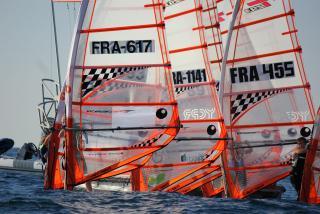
(310, 191)
(266, 95)
(55, 169)
(193, 153)
(120, 104)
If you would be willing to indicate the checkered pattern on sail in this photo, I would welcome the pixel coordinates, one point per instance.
(92, 78)
(241, 102)
(147, 142)
(180, 90)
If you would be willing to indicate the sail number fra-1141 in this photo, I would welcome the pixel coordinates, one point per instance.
(189, 76)
(122, 47)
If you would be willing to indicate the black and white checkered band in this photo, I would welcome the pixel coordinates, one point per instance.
(241, 102)
(95, 77)
(180, 90)
(147, 142)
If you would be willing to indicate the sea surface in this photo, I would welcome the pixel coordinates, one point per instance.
(22, 192)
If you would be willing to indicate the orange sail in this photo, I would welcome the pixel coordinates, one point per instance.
(117, 105)
(310, 191)
(265, 93)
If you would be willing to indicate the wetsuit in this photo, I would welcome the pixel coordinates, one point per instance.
(297, 171)
(43, 152)
(27, 151)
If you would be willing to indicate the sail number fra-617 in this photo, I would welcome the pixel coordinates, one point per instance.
(122, 47)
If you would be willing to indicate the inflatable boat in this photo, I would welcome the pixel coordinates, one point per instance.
(26, 159)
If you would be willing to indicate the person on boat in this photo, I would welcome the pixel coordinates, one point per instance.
(298, 159)
(5, 145)
(27, 151)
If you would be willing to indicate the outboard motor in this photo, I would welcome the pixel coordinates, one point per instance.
(27, 151)
(5, 145)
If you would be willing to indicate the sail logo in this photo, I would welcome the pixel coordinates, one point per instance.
(173, 2)
(221, 17)
(199, 113)
(262, 72)
(257, 5)
(298, 116)
(122, 47)
(192, 157)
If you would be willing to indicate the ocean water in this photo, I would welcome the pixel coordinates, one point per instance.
(22, 192)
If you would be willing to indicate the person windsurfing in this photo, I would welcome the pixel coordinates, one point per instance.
(298, 160)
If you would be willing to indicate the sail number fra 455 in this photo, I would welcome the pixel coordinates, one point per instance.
(262, 72)
(122, 47)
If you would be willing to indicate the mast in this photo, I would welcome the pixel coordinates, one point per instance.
(56, 43)
(226, 51)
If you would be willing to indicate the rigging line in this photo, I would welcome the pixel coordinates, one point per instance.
(51, 64)
(266, 145)
(56, 43)
(74, 12)
(200, 138)
(69, 20)
(257, 132)
(120, 128)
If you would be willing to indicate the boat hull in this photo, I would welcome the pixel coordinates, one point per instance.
(8, 163)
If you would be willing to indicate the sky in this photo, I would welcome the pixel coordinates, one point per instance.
(27, 55)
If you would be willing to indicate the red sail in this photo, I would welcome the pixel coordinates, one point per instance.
(310, 188)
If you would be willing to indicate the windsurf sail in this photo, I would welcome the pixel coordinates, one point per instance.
(190, 161)
(266, 94)
(310, 191)
(117, 104)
